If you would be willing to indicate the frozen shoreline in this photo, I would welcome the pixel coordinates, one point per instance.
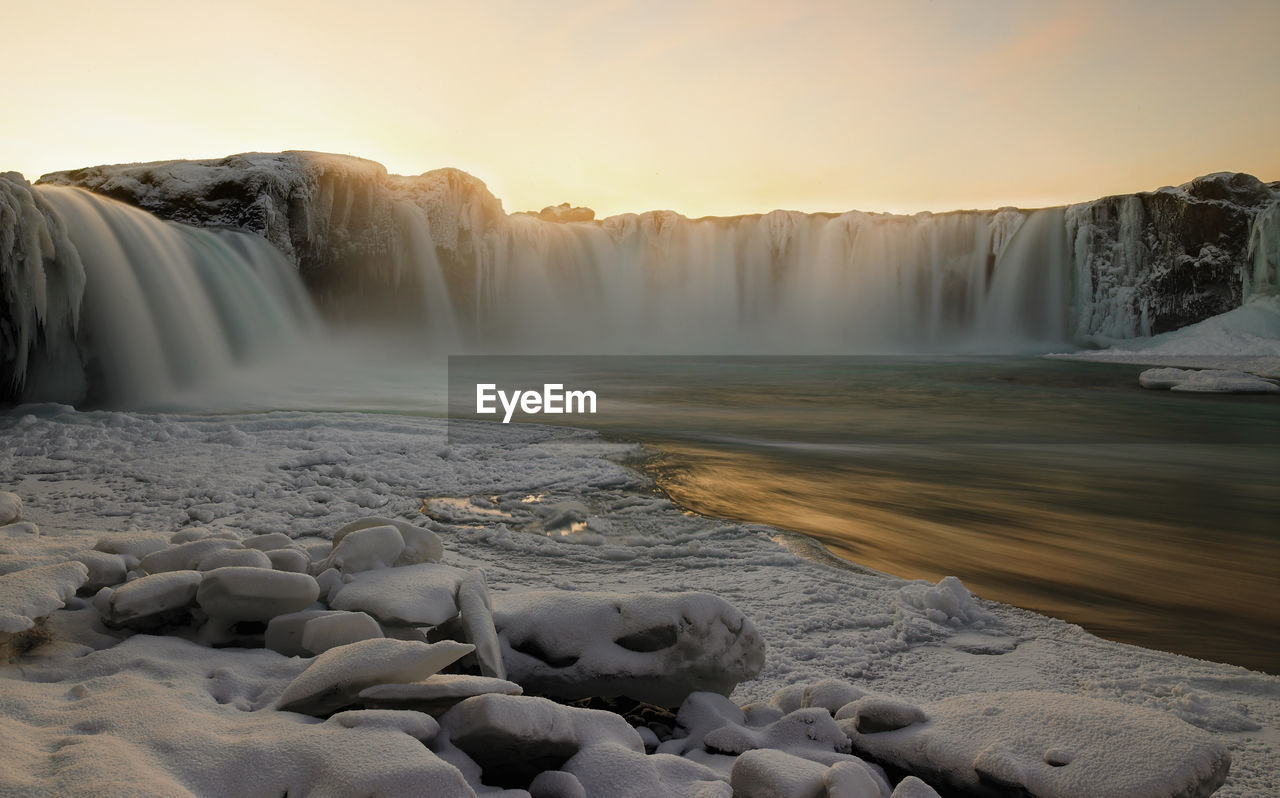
(84, 474)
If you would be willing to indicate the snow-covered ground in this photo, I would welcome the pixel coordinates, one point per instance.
(534, 508)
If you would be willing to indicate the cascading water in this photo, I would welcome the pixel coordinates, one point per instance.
(779, 283)
(167, 307)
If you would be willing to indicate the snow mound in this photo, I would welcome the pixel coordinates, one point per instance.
(424, 594)
(1051, 746)
(149, 601)
(241, 593)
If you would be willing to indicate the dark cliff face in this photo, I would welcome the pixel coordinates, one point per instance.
(1167, 258)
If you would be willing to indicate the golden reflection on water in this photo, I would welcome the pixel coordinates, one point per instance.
(1134, 543)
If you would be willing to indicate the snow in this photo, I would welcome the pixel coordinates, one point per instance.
(139, 601)
(423, 594)
(30, 594)
(1205, 381)
(165, 716)
(338, 629)
(10, 508)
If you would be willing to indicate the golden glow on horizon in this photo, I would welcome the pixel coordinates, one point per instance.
(705, 108)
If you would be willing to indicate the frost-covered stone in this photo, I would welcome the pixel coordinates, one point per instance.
(621, 772)
(132, 546)
(415, 724)
(105, 570)
(365, 549)
(477, 624)
(184, 556)
(143, 602)
(292, 560)
(1014, 743)
(227, 558)
(336, 677)
(768, 773)
(420, 545)
(328, 631)
(254, 594)
(10, 507)
(284, 632)
(517, 737)
(912, 787)
(269, 542)
(435, 694)
(878, 713)
(424, 594)
(33, 593)
(653, 647)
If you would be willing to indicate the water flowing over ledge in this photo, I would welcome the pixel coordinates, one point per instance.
(435, 257)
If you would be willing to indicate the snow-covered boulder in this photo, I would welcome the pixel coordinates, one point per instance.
(284, 632)
(105, 570)
(1045, 744)
(133, 546)
(511, 739)
(227, 558)
(769, 773)
(436, 694)
(10, 507)
(331, 630)
(32, 593)
(268, 542)
(150, 600)
(365, 549)
(620, 772)
(653, 647)
(420, 545)
(292, 560)
(423, 594)
(912, 787)
(254, 594)
(878, 713)
(185, 556)
(477, 624)
(336, 677)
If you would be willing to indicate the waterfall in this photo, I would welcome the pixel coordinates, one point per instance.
(166, 307)
(783, 282)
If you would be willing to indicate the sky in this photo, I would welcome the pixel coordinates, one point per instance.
(703, 107)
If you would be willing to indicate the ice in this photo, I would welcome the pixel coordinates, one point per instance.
(1206, 381)
(10, 508)
(151, 600)
(338, 629)
(239, 593)
(334, 679)
(1045, 744)
(423, 594)
(650, 647)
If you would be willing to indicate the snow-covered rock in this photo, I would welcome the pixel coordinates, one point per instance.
(423, 594)
(33, 593)
(284, 632)
(1045, 744)
(365, 549)
(239, 593)
(769, 773)
(185, 556)
(420, 545)
(477, 624)
(225, 558)
(10, 508)
(105, 570)
(328, 631)
(614, 770)
(435, 694)
(268, 542)
(150, 600)
(292, 560)
(654, 647)
(335, 678)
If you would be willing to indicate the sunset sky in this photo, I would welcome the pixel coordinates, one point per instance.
(701, 107)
